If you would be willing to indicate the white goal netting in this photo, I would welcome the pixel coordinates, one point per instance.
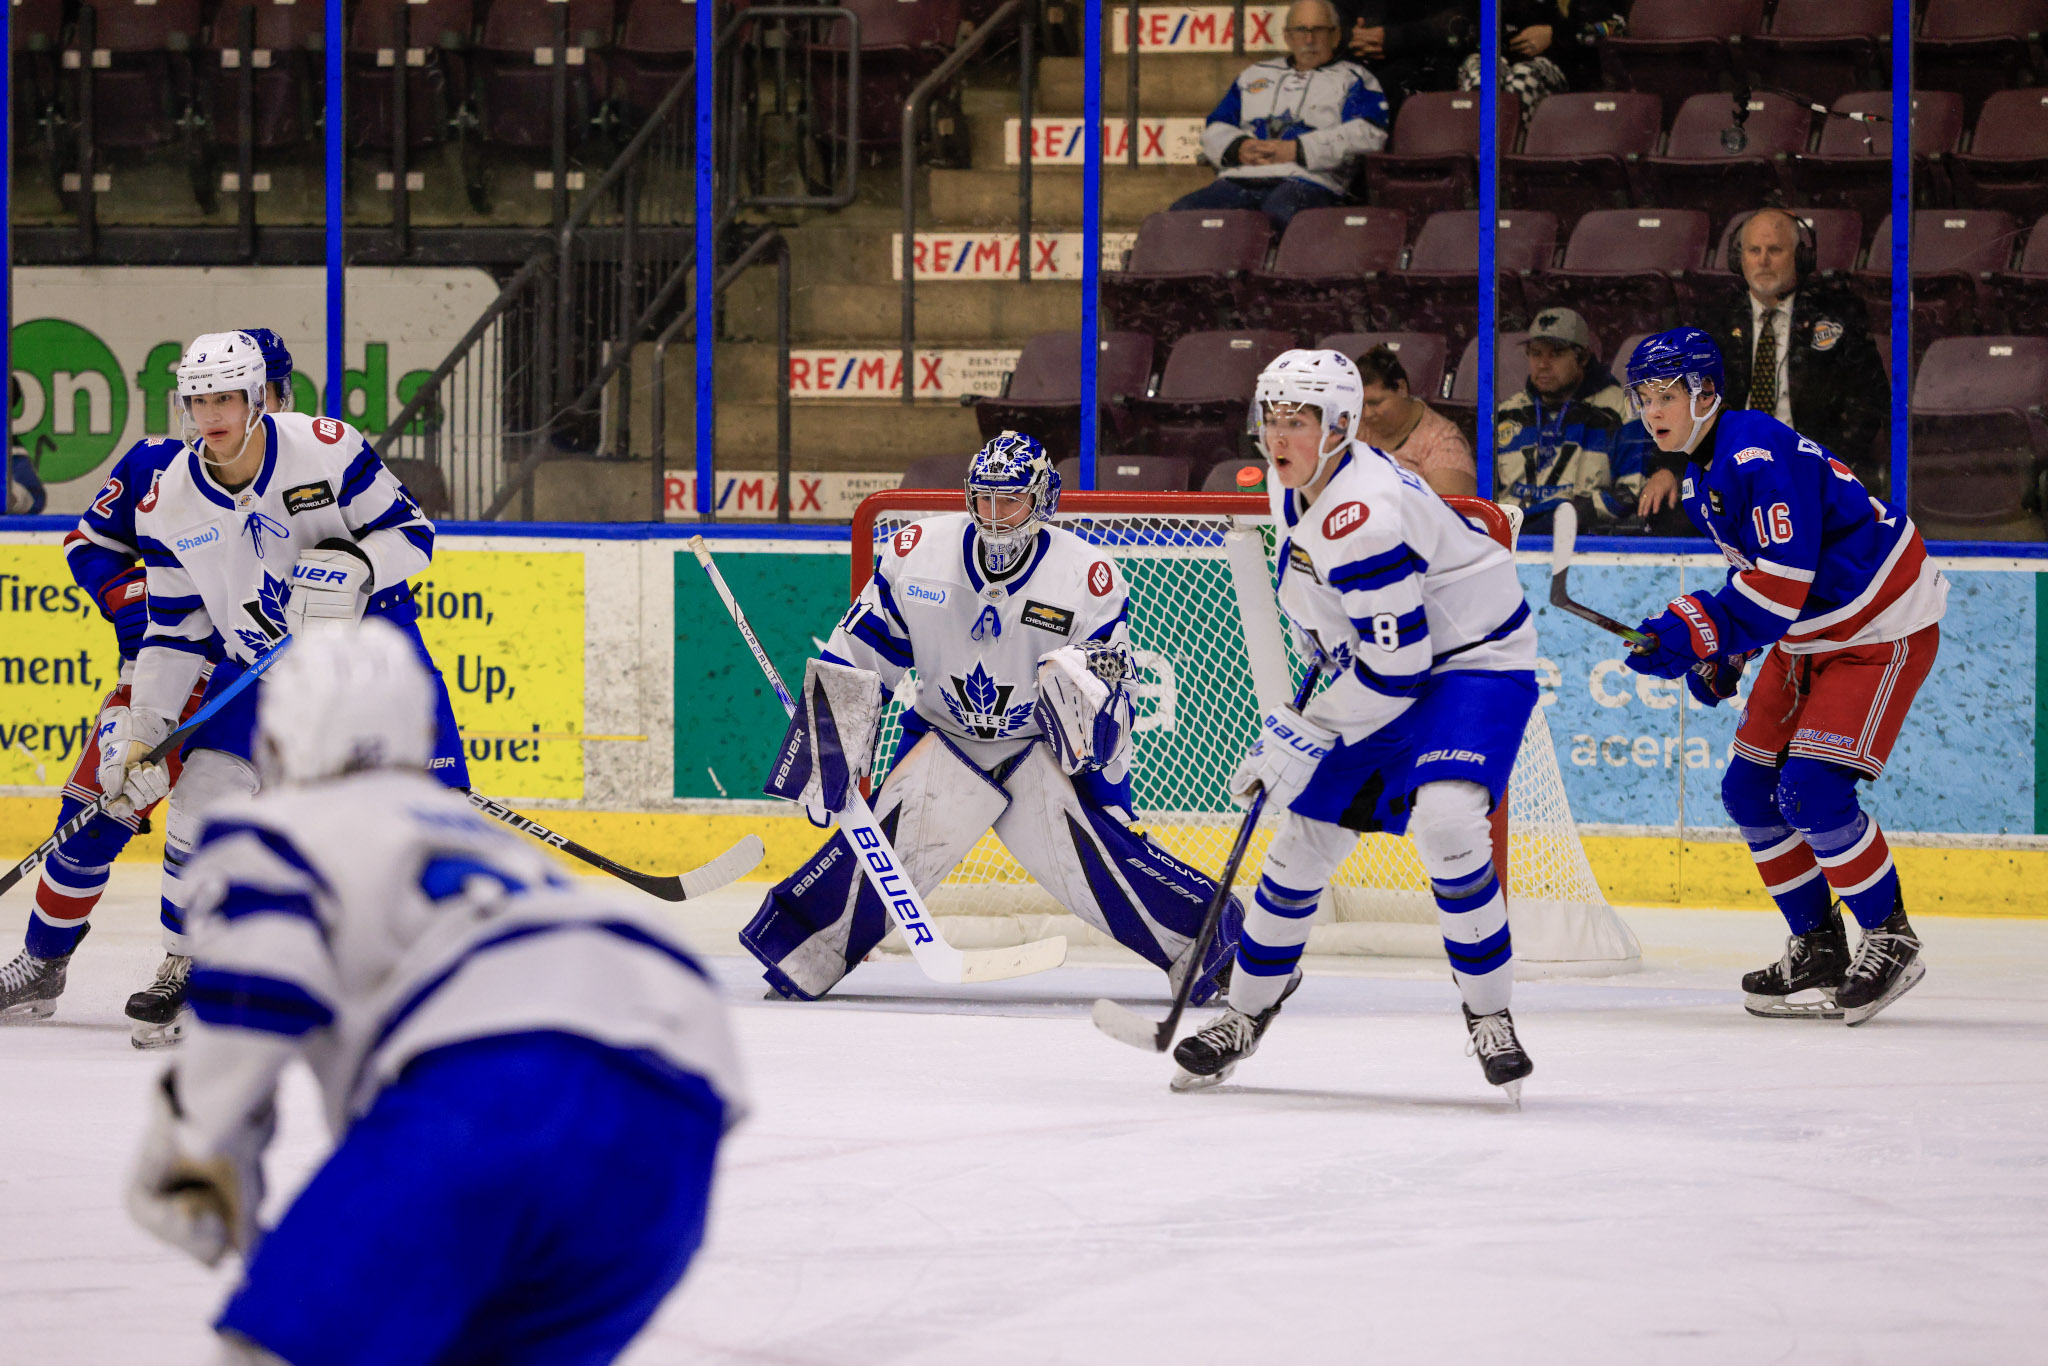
(1211, 655)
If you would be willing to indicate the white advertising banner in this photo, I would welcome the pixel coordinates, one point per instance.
(1063, 142)
(876, 372)
(750, 495)
(1199, 28)
(96, 349)
(993, 255)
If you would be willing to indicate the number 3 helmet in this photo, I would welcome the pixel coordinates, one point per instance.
(222, 363)
(1327, 381)
(1012, 466)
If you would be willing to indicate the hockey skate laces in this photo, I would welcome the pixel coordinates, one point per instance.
(1490, 1034)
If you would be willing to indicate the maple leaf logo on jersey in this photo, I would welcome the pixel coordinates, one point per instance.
(981, 705)
(267, 609)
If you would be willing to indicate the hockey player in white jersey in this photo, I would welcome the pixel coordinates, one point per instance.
(1421, 621)
(1022, 722)
(267, 523)
(526, 1076)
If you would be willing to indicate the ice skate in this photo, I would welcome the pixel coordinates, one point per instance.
(1500, 1052)
(159, 1008)
(1886, 967)
(1811, 971)
(30, 986)
(1208, 1056)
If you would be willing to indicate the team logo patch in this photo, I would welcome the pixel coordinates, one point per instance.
(1252, 87)
(1749, 453)
(306, 497)
(1688, 487)
(326, 430)
(1826, 333)
(148, 503)
(1344, 517)
(1714, 501)
(1504, 433)
(981, 706)
(925, 593)
(1299, 560)
(1100, 580)
(1058, 620)
(906, 539)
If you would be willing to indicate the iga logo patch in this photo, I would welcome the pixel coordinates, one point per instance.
(1344, 517)
(327, 430)
(306, 497)
(1100, 580)
(905, 540)
(1058, 620)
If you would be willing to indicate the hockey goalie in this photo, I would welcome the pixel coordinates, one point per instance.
(1017, 633)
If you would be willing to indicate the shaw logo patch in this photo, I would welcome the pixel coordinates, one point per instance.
(1344, 517)
(1058, 620)
(327, 431)
(1100, 580)
(306, 497)
(906, 540)
(1749, 453)
(206, 537)
(917, 592)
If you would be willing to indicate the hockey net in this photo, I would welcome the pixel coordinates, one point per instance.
(1212, 656)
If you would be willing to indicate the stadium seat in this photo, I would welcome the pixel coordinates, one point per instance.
(2023, 292)
(1431, 163)
(439, 31)
(1955, 255)
(142, 79)
(514, 87)
(1980, 441)
(1823, 49)
(1204, 395)
(1510, 372)
(900, 44)
(1318, 281)
(1228, 476)
(1979, 47)
(2007, 164)
(1679, 48)
(1130, 473)
(1838, 249)
(1178, 279)
(1621, 268)
(937, 472)
(1422, 355)
(288, 71)
(1617, 364)
(425, 482)
(1580, 153)
(657, 44)
(1438, 290)
(1851, 166)
(1698, 171)
(1043, 396)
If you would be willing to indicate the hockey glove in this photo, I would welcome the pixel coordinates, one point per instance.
(201, 1205)
(1282, 760)
(1083, 707)
(1716, 682)
(330, 583)
(830, 744)
(126, 737)
(124, 600)
(1687, 632)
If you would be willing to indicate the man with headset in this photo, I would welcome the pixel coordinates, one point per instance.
(1797, 347)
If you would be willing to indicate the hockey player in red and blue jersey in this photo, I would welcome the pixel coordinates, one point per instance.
(1836, 588)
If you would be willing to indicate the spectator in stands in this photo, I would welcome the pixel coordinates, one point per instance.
(1796, 346)
(1289, 132)
(1413, 45)
(1549, 46)
(1558, 440)
(1415, 434)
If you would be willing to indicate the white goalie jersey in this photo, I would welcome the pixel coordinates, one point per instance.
(975, 645)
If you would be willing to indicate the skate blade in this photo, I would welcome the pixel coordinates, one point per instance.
(149, 1037)
(1821, 1006)
(1513, 1091)
(1908, 979)
(28, 1012)
(1185, 1081)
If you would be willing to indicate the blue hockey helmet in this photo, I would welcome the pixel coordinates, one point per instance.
(277, 361)
(1011, 466)
(1683, 355)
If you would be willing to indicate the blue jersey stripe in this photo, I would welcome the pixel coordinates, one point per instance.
(216, 831)
(1373, 572)
(246, 1000)
(1390, 685)
(362, 472)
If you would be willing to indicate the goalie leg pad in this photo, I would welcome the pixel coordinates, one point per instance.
(1083, 852)
(209, 778)
(814, 925)
(1455, 841)
(1749, 791)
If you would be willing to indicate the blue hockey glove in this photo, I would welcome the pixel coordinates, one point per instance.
(1686, 633)
(1716, 682)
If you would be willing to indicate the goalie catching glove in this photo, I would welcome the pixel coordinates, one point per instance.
(200, 1205)
(1282, 760)
(1083, 706)
(830, 744)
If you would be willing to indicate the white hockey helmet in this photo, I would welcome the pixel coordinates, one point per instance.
(222, 363)
(1327, 381)
(348, 697)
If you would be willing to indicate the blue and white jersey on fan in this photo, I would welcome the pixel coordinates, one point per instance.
(526, 1074)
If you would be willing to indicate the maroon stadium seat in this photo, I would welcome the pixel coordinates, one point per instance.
(1043, 397)
(1838, 248)
(1680, 48)
(1956, 253)
(1979, 438)
(1510, 372)
(657, 44)
(143, 84)
(1227, 476)
(900, 44)
(514, 90)
(1131, 473)
(1851, 167)
(1438, 290)
(937, 472)
(2023, 292)
(1580, 153)
(1698, 171)
(1318, 281)
(1621, 268)
(1422, 354)
(1824, 48)
(1431, 164)
(1617, 364)
(1978, 47)
(1178, 279)
(288, 68)
(440, 31)
(2007, 164)
(1204, 396)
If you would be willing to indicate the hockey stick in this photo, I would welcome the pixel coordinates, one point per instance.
(936, 958)
(1125, 1025)
(1564, 540)
(169, 746)
(730, 866)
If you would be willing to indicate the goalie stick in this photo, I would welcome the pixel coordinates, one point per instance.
(937, 959)
(730, 866)
(169, 746)
(1125, 1025)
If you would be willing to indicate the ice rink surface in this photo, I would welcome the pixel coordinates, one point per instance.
(958, 1175)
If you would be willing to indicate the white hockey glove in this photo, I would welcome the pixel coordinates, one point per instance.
(1282, 759)
(201, 1205)
(330, 583)
(1083, 707)
(830, 744)
(126, 736)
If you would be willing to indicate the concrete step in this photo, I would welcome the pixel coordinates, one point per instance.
(1168, 83)
(975, 313)
(860, 434)
(988, 198)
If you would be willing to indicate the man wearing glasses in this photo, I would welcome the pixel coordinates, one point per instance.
(1288, 134)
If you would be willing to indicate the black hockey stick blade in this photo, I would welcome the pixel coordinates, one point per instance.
(730, 866)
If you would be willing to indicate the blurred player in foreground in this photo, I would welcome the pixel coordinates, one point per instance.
(1017, 630)
(1421, 618)
(1836, 585)
(527, 1079)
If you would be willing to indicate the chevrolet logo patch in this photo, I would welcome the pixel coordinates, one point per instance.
(1058, 620)
(306, 497)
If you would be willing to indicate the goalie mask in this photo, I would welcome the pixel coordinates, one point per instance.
(345, 699)
(222, 363)
(1326, 381)
(1012, 489)
(1683, 355)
